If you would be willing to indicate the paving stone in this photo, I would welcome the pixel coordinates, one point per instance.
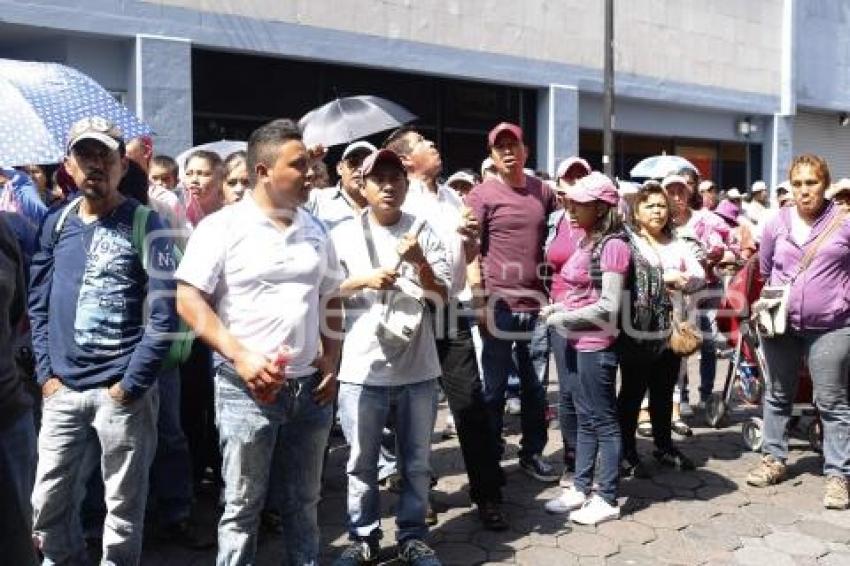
(673, 547)
(626, 532)
(591, 561)
(739, 525)
(645, 489)
(834, 559)
(773, 514)
(683, 480)
(796, 544)
(661, 516)
(505, 540)
(587, 544)
(460, 553)
(724, 495)
(827, 532)
(538, 556)
(838, 547)
(760, 556)
(632, 557)
(709, 538)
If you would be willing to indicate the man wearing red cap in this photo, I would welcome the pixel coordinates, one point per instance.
(512, 211)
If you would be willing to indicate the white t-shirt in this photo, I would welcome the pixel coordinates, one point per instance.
(442, 211)
(800, 231)
(363, 359)
(266, 281)
(332, 206)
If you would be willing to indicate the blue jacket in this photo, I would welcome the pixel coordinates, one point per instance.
(88, 294)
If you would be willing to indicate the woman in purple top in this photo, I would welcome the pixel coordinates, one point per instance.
(818, 326)
(588, 313)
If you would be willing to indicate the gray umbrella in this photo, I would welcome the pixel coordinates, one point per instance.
(347, 119)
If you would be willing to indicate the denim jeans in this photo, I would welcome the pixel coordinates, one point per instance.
(828, 357)
(363, 410)
(524, 335)
(566, 382)
(17, 469)
(595, 400)
(171, 473)
(294, 431)
(72, 422)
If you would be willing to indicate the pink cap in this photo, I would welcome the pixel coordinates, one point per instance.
(569, 162)
(594, 186)
(513, 129)
(728, 211)
(381, 156)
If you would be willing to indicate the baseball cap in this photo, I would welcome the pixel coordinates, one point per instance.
(461, 176)
(486, 165)
(674, 180)
(565, 165)
(95, 128)
(734, 193)
(783, 187)
(728, 211)
(706, 185)
(378, 157)
(758, 187)
(594, 186)
(839, 186)
(513, 129)
(361, 145)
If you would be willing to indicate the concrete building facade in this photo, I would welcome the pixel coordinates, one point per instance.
(729, 84)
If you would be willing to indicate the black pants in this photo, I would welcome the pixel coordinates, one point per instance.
(462, 385)
(641, 371)
(197, 412)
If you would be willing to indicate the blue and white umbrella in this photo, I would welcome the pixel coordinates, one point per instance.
(659, 166)
(40, 101)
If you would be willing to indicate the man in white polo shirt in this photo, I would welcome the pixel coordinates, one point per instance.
(258, 284)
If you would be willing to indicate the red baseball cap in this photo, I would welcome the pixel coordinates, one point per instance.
(381, 156)
(513, 129)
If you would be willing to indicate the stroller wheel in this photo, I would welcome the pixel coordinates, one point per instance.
(751, 430)
(815, 434)
(715, 409)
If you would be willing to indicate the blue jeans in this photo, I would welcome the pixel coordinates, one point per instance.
(595, 399)
(294, 431)
(566, 382)
(524, 335)
(72, 422)
(363, 411)
(828, 357)
(171, 473)
(17, 470)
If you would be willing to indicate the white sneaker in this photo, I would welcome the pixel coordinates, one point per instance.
(594, 511)
(513, 406)
(569, 500)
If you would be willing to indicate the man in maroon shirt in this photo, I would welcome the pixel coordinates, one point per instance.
(507, 281)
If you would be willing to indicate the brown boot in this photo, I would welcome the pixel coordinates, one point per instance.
(769, 472)
(835, 494)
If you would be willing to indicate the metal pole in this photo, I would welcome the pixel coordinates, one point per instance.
(608, 97)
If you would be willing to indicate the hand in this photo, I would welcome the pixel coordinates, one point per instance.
(381, 279)
(51, 386)
(118, 394)
(325, 392)
(675, 279)
(410, 251)
(317, 151)
(263, 378)
(469, 226)
(553, 315)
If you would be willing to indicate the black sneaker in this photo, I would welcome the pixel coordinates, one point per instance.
(363, 551)
(492, 518)
(417, 553)
(673, 458)
(633, 466)
(539, 469)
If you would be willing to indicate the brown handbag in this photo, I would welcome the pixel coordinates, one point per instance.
(685, 338)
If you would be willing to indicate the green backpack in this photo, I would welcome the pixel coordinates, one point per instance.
(181, 344)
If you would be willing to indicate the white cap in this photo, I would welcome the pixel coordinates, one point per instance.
(734, 193)
(486, 164)
(362, 145)
(706, 185)
(783, 186)
(839, 186)
(627, 188)
(565, 165)
(758, 187)
(461, 176)
(674, 180)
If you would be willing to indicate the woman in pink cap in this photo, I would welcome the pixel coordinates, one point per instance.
(587, 315)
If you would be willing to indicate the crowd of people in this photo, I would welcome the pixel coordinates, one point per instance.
(169, 327)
